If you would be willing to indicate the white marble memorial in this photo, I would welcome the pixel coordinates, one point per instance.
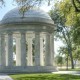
(31, 38)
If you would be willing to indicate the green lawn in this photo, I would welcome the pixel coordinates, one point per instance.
(44, 77)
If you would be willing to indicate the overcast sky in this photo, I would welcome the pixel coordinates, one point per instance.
(9, 4)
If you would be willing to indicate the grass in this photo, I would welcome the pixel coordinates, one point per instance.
(45, 77)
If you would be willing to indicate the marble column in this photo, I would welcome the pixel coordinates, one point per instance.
(29, 54)
(23, 49)
(9, 51)
(41, 52)
(18, 51)
(37, 49)
(2, 50)
(52, 48)
(47, 51)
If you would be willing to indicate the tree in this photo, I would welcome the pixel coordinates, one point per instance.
(59, 16)
(72, 19)
(76, 4)
(28, 3)
(76, 53)
(76, 30)
(59, 60)
(64, 51)
(66, 13)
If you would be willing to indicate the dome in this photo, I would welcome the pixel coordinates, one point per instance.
(32, 15)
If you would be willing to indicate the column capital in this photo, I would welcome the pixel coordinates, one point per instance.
(23, 32)
(37, 32)
(30, 35)
(9, 32)
(2, 35)
(47, 33)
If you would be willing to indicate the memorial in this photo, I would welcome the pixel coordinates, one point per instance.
(31, 38)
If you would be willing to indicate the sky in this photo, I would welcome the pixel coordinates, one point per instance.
(9, 4)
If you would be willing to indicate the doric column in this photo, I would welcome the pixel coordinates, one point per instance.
(29, 54)
(41, 52)
(18, 51)
(47, 51)
(2, 50)
(9, 49)
(23, 49)
(52, 48)
(37, 49)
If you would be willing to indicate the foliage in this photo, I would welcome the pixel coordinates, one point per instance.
(76, 4)
(65, 16)
(72, 18)
(76, 53)
(45, 77)
(64, 51)
(29, 3)
(60, 60)
(76, 33)
(32, 2)
(65, 31)
(72, 21)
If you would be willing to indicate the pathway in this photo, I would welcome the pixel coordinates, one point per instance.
(5, 77)
(67, 72)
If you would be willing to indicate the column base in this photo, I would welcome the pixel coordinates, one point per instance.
(28, 69)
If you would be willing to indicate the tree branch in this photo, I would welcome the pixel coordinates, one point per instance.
(76, 8)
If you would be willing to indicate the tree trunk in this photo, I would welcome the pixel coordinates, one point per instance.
(67, 63)
(70, 53)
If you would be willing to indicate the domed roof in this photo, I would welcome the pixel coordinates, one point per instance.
(32, 15)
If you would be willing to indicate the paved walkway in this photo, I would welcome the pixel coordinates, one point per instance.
(67, 72)
(5, 77)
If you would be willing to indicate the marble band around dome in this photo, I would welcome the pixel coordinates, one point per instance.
(26, 20)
